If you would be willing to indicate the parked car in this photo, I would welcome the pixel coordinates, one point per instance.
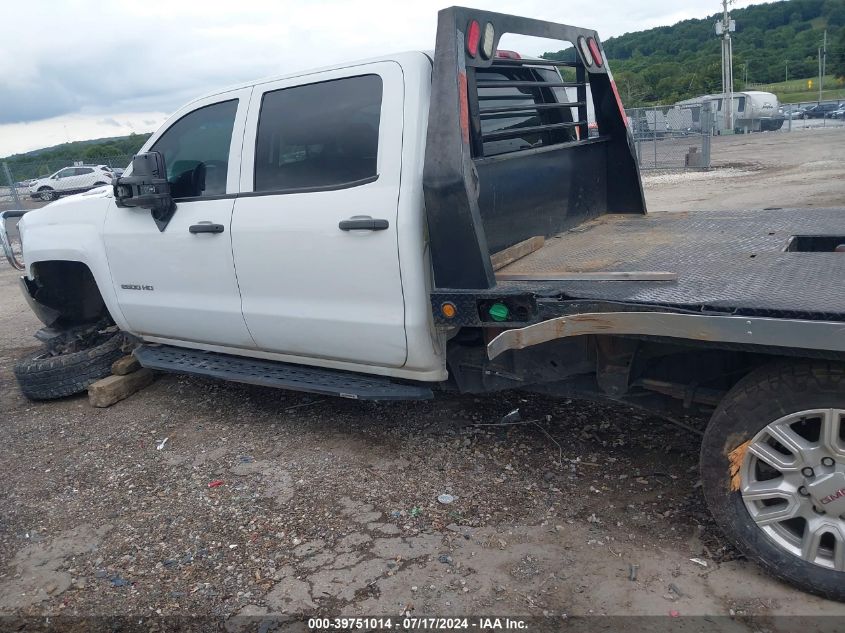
(70, 180)
(820, 110)
(792, 112)
(839, 113)
(417, 223)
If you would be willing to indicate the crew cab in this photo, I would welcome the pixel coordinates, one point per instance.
(396, 227)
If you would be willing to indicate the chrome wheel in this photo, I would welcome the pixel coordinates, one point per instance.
(792, 482)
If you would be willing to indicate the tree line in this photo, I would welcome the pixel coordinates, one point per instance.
(773, 41)
(43, 162)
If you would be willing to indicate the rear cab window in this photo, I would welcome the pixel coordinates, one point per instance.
(505, 129)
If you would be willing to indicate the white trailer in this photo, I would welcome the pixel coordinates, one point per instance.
(753, 111)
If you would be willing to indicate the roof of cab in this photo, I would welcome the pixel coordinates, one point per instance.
(404, 58)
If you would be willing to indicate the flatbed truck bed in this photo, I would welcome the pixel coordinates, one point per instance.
(739, 262)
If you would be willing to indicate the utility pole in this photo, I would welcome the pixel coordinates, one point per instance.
(824, 63)
(786, 77)
(820, 75)
(745, 83)
(724, 29)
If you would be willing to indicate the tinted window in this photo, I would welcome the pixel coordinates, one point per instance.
(196, 150)
(82, 171)
(319, 135)
(740, 104)
(64, 173)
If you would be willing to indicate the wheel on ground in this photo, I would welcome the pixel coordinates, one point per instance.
(773, 472)
(49, 374)
(46, 194)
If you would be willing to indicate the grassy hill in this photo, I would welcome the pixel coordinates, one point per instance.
(669, 63)
(796, 90)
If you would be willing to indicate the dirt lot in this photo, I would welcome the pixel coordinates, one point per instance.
(802, 168)
(328, 507)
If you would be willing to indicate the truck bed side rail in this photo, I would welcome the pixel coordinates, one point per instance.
(489, 186)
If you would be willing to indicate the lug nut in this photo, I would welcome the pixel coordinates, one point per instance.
(827, 461)
(807, 472)
(818, 510)
(803, 492)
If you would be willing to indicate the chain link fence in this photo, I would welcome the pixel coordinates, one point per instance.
(28, 185)
(672, 137)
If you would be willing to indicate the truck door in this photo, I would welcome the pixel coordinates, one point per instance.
(178, 282)
(314, 229)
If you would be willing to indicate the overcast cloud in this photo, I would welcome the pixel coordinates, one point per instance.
(79, 69)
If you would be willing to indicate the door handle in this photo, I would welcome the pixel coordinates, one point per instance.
(206, 228)
(363, 223)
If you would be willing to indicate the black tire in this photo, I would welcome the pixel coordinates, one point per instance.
(46, 194)
(44, 377)
(765, 395)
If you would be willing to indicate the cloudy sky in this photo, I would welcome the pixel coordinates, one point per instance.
(81, 69)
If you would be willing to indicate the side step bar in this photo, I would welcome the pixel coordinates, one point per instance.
(268, 373)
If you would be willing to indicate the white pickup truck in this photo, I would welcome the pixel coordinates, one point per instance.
(419, 222)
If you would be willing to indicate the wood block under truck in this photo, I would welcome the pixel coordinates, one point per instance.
(457, 228)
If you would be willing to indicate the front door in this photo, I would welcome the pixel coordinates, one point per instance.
(179, 283)
(315, 226)
(65, 180)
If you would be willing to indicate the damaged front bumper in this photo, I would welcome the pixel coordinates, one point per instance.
(4, 237)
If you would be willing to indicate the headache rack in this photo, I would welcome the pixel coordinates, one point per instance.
(544, 114)
(509, 152)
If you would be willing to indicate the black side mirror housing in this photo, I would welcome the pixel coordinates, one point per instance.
(147, 187)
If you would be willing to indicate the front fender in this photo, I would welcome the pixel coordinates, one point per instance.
(71, 229)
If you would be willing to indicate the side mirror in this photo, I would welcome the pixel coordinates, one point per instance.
(147, 188)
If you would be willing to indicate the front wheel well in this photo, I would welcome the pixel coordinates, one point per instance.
(69, 289)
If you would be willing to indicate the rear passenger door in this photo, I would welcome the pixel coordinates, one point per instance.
(314, 230)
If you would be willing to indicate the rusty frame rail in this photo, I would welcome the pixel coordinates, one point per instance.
(788, 333)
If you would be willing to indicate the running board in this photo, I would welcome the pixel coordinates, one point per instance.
(268, 373)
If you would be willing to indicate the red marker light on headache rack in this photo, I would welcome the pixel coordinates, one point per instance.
(596, 52)
(473, 37)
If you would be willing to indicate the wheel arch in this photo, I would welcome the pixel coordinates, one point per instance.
(66, 293)
(65, 238)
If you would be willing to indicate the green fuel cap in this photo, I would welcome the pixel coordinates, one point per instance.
(499, 312)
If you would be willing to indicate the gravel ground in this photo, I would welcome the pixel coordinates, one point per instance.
(802, 168)
(268, 502)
